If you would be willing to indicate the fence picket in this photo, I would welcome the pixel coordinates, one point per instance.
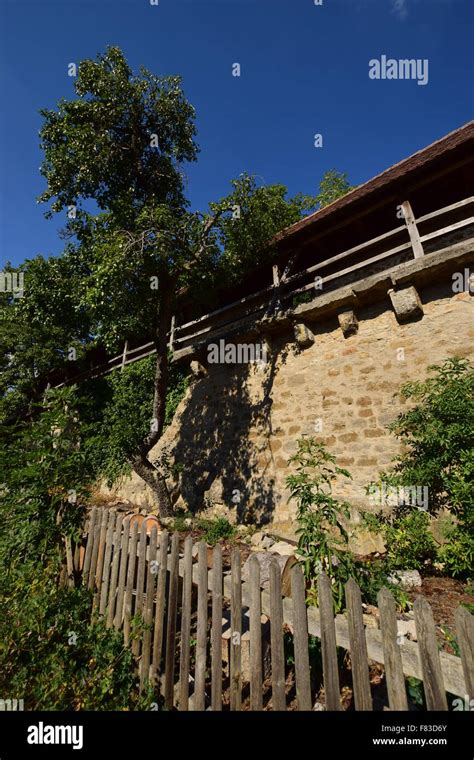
(132, 561)
(359, 658)
(186, 625)
(171, 624)
(328, 644)
(158, 635)
(465, 630)
(300, 638)
(397, 696)
(124, 553)
(142, 547)
(148, 610)
(112, 593)
(95, 551)
(216, 633)
(100, 558)
(236, 633)
(256, 674)
(430, 665)
(276, 638)
(90, 541)
(201, 643)
(109, 540)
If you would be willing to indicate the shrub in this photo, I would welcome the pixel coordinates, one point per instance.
(216, 530)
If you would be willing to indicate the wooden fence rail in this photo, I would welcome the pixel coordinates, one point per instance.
(174, 603)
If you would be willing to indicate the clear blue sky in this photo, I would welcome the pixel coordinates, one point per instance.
(304, 70)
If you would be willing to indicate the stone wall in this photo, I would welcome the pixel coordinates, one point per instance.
(238, 424)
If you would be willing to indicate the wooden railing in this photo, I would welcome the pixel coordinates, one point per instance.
(181, 592)
(412, 239)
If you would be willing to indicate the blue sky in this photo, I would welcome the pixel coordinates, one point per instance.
(304, 70)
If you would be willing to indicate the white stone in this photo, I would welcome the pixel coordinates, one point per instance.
(284, 549)
(406, 579)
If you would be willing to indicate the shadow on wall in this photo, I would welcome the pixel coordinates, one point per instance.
(223, 437)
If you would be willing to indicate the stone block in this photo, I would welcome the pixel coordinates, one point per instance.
(406, 304)
(303, 335)
(348, 323)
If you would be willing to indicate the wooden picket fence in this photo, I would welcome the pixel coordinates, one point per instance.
(186, 603)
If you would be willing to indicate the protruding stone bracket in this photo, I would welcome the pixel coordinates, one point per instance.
(348, 323)
(197, 369)
(406, 304)
(304, 337)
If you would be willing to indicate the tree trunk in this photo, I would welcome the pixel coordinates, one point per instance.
(156, 481)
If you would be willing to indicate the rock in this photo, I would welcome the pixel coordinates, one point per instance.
(364, 541)
(348, 323)
(406, 304)
(407, 579)
(267, 542)
(284, 549)
(370, 621)
(406, 628)
(441, 525)
(257, 538)
(303, 335)
(197, 369)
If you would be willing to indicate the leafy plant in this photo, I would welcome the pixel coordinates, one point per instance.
(216, 530)
(322, 543)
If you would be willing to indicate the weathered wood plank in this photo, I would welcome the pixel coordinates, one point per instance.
(276, 639)
(256, 671)
(142, 547)
(100, 558)
(216, 635)
(171, 624)
(124, 549)
(410, 222)
(432, 676)
(201, 636)
(465, 631)
(90, 541)
(158, 636)
(112, 593)
(359, 658)
(186, 625)
(236, 633)
(328, 644)
(397, 696)
(132, 561)
(148, 610)
(109, 541)
(300, 638)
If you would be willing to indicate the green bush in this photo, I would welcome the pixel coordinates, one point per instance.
(216, 530)
(321, 519)
(437, 434)
(50, 654)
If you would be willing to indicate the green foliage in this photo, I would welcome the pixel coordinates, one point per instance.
(333, 185)
(438, 440)
(457, 554)
(323, 537)
(45, 478)
(322, 543)
(410, 546)
(126, 403)
(438, 437)
(53, 658)
(216, 530)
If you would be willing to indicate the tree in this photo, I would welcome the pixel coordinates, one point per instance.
(333, 185)
(122, 143)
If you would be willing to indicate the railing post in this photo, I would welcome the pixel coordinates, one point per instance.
(124, 355)
(172, 331)
(410, 222)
